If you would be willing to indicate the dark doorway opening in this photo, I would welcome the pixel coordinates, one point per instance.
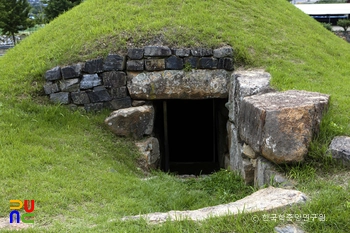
(193, 135)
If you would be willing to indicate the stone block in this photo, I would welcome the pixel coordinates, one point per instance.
(223, 52)
(114, 62)
(119, 92)
(248, 172)
(132, 122)
(60, 97)
(235, 148)
(157, 51)
(136, 103)
(280, 125)
(193, 61)
(340, 149)
(93, 66)
(90, 81)
(120, 103)
(226, 63)
(265, 174)
(50, 88)
(201, 52)
(53, 74)
(99, 94)
(174, 63)
(249, 152)
(93, 107)
(149, 148)
(154, 64)
(70, 85)
(178, 84)
(135, 65)
(135, 54)
(114, 79)
(80, 97)
(182, 52)
(73, 71)
(208, 63)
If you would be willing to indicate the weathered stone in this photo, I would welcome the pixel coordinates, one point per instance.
(280, 125)
(135, 54)
(80, 97)
(226, 63)
(263, 200)
(116, 104)
(136, 103)
(223, 52)
(134, 65)
(193, 61)
(73, 71)
(60, 97)
(154, 64)
(69, 85)
(114, 62)
(132, 122)
(94, 66)
(99, 94)
(340, 149)
(288, 229)
(208, 63)
(249, 152)
(171, 84)
(150, 149)
(265, 174)
(174, 63)
(50, 88)
(90, 81)
(53, 74)
(248, 172)
(114, 79)
(235, 148)
(182, 52)
(119, 92)
(201, 52)
(157, 51)
(93, 107)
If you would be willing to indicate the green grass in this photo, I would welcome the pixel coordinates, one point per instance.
(84, 179)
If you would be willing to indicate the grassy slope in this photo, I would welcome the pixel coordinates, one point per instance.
(69, 163)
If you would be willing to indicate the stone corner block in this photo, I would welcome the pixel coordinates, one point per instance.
(114, 62)
(53, 74)
(340, 149)
(132, 122)
(73, 71)
(157, 51)
(149, 147)
(94, 66)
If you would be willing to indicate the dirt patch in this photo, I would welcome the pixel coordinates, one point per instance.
(6, 225)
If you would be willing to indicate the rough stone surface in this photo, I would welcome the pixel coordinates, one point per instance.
(226, 63)
(135, 65)
(265, 173)
(157, 51)
(60, 97)
(90, 81)
(154, 64)
(119, 92)
(120, 103)
(288, 229)
(80, 97)
(249, 152)
(93, 107)
(73, 71)
(182, 52)
(248, 172)
(280, 125)
(171, 84)
(263, 200)
(69, 85)
(340, 149)
(135, 54)
(208, 63)
(150, 149)
(137, 103)
(201, 52)
(114, 79)
(193, 61)
(50, 88)
(235, 148)
(132, 122)
(94, 66)
(174, 63)
(114, 62)
(53, 74)
(99, 94)
(223, 52)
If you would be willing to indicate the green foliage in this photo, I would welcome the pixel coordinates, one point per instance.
(327, 26)
(14, 16)
(57, 7)
(187, 66)
(344, 23)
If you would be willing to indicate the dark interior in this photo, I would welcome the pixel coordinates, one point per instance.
(192, 135)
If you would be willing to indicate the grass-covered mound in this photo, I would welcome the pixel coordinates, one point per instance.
(82, 177)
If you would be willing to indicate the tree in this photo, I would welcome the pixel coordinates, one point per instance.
(344, 23)
(14, 17)
(56, 7)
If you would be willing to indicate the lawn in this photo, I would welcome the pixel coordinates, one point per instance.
(84, 179)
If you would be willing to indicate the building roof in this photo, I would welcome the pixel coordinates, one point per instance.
(325, 9)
